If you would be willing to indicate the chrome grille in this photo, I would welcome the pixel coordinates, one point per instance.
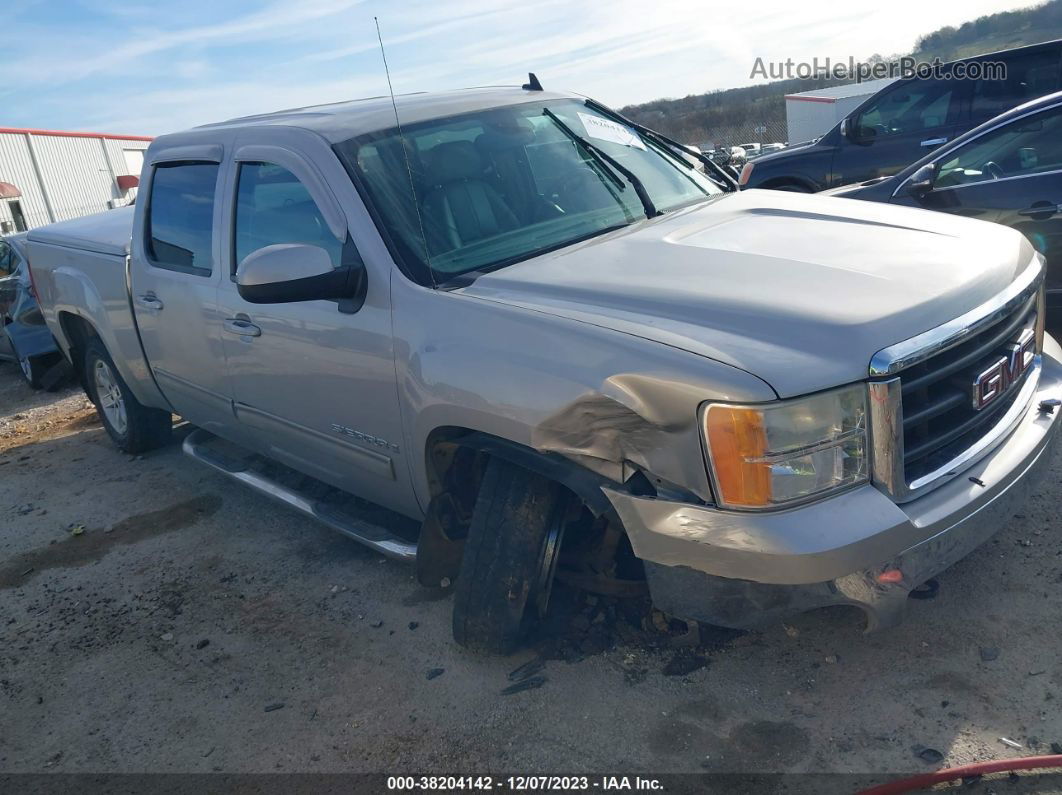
(939, 418)
(925, 424)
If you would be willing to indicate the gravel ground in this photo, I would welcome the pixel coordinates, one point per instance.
(156, 618)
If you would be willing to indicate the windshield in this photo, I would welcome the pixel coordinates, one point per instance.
(504, 184)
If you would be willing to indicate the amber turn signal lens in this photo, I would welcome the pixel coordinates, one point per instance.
(737, 442)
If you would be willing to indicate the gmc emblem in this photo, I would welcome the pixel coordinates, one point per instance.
(1005, 371)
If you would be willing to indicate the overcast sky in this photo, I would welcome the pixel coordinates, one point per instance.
(140, 67)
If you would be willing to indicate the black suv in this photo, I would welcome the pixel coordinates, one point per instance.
(906, 120)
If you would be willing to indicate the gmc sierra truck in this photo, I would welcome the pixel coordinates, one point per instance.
(556, 351)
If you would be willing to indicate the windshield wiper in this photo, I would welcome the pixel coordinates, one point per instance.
(600, 154)
(660, 138)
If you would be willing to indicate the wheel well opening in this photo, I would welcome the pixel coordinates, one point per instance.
(595, 553)
(78, 332)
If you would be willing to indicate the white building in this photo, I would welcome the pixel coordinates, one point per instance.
(812, 114)
(46, 175)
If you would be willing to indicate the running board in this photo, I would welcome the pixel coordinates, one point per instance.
(197, 445)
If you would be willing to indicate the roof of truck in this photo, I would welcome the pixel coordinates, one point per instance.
(339, 121)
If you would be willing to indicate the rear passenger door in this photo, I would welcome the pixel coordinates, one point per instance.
(314, 382)
(174, 283)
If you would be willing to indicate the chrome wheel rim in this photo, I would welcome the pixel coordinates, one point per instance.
(27, 368)
(110, 396)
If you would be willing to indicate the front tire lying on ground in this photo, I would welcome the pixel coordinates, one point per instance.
(134, 427)
(509, 558)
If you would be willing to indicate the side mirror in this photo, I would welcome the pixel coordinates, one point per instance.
(921, 182)
(289, 272)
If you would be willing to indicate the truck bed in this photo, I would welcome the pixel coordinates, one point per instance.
(103, 233)
(79, 269)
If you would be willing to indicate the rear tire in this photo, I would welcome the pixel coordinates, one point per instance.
(509, 558)
(32, 370)
(132, 426)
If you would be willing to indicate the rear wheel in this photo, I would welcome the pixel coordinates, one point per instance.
(134, 427)
(510, 557)
(31, 371)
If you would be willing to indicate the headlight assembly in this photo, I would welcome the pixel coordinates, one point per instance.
(774, 455)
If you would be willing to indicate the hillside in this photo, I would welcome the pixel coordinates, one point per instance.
(737, 115)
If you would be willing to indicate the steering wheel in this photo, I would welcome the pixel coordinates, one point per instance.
(993, 168)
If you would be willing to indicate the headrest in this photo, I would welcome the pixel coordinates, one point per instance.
(454, 160)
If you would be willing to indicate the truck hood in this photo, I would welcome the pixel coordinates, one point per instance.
(798, 290)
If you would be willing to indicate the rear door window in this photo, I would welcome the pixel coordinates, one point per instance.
(1028, 76)
(180, 217)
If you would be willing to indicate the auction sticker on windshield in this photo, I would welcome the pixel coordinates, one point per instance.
(607, 130)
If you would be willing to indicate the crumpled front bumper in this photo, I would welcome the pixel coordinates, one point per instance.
(747, 569)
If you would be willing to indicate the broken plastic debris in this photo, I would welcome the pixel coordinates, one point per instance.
(531, 683)
(931, 755)
(1009, 742)
(988, 653)
(77, 530)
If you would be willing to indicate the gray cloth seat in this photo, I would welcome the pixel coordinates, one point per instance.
(460, 205)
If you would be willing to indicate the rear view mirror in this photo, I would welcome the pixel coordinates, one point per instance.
(289, 272)
(921, 182)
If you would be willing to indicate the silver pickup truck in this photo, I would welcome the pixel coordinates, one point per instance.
(533, 329)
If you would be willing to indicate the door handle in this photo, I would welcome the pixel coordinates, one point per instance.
(1041, 208)
(242, 326)
(149, 301)
(934, 141)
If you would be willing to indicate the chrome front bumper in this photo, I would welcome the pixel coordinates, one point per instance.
(744, 569)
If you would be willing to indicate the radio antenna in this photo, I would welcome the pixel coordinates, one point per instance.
(405, 154)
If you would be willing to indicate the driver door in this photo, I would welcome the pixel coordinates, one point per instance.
(900, 126)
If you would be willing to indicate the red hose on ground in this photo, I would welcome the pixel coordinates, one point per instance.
(926, 780)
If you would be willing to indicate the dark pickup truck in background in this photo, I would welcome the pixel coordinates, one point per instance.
(906, 120)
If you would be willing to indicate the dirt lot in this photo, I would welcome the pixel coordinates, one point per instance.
(155, 617)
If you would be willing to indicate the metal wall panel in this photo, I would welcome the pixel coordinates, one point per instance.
(75, 174)
(64, 177)
(16, 167)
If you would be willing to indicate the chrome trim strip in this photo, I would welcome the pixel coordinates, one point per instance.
(1001, 179)
(909, 352)
(886, 436)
